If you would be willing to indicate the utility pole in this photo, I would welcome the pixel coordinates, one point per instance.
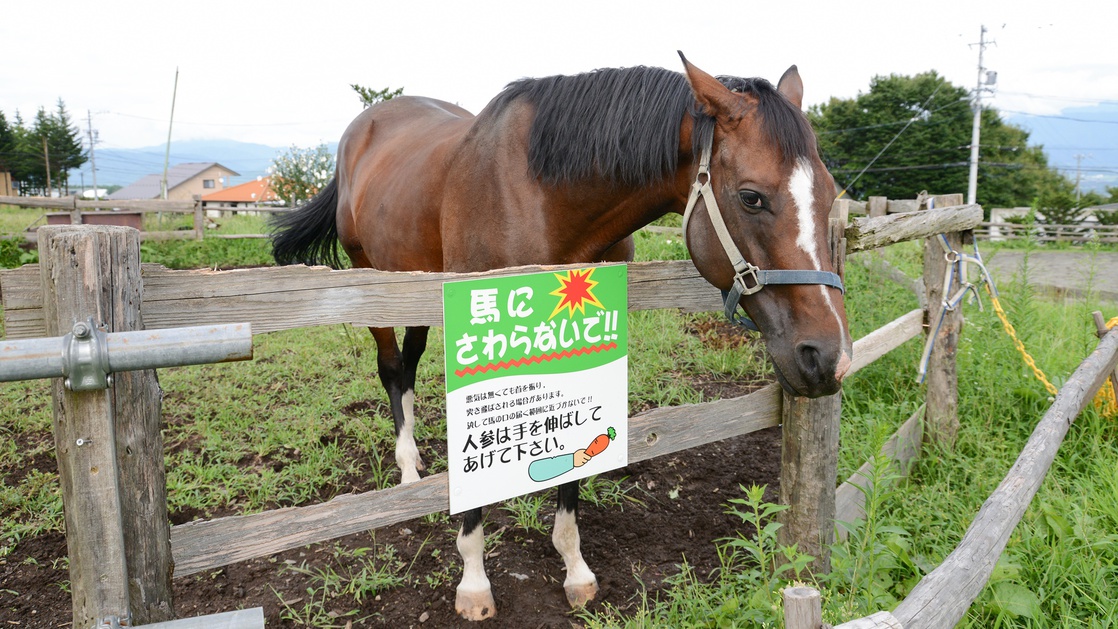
(167, 154)
(92, 158)
(1079, 157)
(46, 160)
(984, 78)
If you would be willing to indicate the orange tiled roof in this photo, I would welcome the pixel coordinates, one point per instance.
(256, 191)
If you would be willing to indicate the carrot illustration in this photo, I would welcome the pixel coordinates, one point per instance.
(542, 470)
(601, 442)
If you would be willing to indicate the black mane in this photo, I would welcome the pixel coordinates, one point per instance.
(622, 124)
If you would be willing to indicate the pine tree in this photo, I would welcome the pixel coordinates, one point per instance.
(64, 139)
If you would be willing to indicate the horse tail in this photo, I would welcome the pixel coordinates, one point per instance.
(309, 233)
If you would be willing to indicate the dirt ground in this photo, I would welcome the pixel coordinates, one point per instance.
(631, 549)
(1068, 272)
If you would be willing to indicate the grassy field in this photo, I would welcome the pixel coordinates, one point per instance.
(1060, 568)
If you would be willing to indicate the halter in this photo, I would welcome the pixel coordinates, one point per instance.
(743, 269)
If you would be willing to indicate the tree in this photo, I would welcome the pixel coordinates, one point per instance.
(66, 151)
(22, 149)
(1106, 217)
(932, 152)
(370, 97)
(7, 144)
(299, 173)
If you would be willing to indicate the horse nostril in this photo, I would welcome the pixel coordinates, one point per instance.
(810, 360)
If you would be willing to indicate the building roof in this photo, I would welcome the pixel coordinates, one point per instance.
(150, 186)
(256, 191)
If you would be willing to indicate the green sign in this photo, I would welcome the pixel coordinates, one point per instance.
(536, 379)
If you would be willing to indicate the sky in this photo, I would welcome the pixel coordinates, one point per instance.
(278, 73)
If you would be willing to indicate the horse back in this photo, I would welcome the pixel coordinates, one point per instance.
(391, 171)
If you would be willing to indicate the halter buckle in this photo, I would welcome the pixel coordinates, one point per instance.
(749, 271)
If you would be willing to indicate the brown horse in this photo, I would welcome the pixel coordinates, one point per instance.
(563, 170)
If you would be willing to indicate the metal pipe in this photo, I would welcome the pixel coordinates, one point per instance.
(126, 351)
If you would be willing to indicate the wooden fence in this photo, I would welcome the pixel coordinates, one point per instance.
(291, 297)
(1079, 233)
(103, 211)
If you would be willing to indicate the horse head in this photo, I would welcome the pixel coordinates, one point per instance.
(757, 224)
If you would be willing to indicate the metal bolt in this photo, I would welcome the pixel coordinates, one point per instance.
(84, 442)
(81, 330)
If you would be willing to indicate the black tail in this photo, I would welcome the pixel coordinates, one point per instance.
(309, 233)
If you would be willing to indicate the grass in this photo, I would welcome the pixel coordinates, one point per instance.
(306, 420)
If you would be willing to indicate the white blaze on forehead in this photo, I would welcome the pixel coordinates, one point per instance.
(802, 187)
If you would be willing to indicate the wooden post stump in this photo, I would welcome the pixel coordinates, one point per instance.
(803, 608)
(109, 447)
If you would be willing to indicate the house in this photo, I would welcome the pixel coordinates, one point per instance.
(249, 194)
(184, 181)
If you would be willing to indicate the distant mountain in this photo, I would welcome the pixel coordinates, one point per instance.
(123, 166)
(1090, 132)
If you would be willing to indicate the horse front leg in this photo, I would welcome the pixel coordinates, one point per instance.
(397, 374)
(474, 597)
(581, 586)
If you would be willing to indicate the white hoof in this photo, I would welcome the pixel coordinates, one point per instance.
(475, 605)
(579, 595)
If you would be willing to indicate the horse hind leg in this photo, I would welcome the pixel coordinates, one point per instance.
(581, 586)
(397, 374)
(474, 597)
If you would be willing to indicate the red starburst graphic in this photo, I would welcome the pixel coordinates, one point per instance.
(575, 292)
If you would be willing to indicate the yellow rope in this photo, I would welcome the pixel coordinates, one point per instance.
(1105, 400)
(1020, 346)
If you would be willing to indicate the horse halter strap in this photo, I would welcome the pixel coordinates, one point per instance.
(743, 269)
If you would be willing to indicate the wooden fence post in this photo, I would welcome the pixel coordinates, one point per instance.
(75, 213)
(941, 419)
(877, 206)
(109, 448)
(809, 456)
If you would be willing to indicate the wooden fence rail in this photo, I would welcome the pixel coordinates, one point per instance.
(280, 298)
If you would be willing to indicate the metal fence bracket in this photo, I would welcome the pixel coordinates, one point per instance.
(85, 358)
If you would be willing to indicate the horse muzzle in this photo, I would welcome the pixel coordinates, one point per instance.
(812, 368)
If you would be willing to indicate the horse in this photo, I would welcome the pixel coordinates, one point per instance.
(563, 170)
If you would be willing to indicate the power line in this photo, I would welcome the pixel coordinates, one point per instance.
(1055, 117)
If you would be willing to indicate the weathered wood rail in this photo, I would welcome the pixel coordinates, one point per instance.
(279, 298)
(292, 297)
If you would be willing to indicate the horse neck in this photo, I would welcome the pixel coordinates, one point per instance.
(611, 211)
(604, 214)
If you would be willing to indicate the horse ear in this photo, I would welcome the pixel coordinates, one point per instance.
(792, 87)
(709, 91)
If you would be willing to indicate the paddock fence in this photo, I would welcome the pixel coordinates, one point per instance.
(130, 213)
(280, 298)
(1078, 233)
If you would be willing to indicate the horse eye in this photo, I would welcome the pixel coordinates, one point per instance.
(751, 200)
